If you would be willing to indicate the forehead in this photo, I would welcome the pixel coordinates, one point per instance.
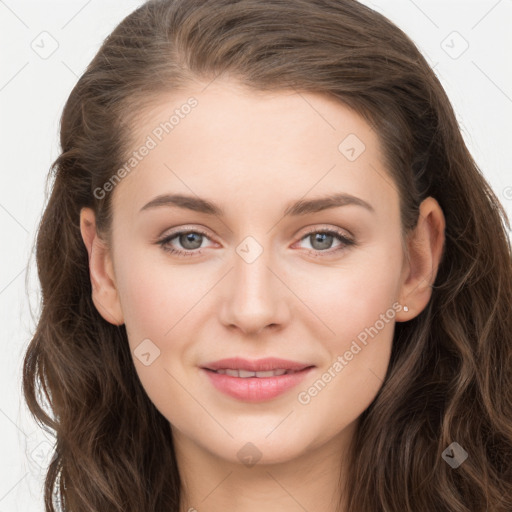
(226, 141)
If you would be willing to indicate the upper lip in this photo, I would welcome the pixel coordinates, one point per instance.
(255, 365)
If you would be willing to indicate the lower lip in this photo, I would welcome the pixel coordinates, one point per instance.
(256, 389)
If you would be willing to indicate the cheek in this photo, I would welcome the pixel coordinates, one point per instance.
(159, 305)
(356, 366)
(154, 296)
(359, 314)
(353, 295)
(156, 302)
(357, 307)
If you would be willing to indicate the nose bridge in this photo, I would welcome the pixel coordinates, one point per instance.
(255, 298)
(251, 273)
(252, 278)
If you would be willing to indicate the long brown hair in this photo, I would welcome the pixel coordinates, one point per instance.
(450, 374)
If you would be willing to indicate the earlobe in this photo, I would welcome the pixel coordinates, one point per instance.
(104, 290)
(425, 249)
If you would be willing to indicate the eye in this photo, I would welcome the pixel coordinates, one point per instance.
(321, 241)
(190, 240)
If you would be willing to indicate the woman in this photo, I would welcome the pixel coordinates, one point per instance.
(195, 354)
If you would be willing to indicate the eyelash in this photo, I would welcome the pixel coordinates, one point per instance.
(345, 242)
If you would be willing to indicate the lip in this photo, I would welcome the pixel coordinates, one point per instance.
(256, 389)
(256, 365)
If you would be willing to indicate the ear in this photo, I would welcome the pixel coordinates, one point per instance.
(104, 291)
(424, 250)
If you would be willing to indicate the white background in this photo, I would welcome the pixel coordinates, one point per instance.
(33, 91)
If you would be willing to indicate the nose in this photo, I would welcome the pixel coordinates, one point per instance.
(255, 297)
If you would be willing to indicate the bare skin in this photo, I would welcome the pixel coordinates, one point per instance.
(253, 154)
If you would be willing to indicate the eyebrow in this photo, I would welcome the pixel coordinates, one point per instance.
(297, 208)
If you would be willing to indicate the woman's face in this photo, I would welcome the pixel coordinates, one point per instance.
(293, 252)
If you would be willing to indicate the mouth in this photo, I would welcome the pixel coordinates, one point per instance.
(255, 367)
(257, 380)
(244, 374)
